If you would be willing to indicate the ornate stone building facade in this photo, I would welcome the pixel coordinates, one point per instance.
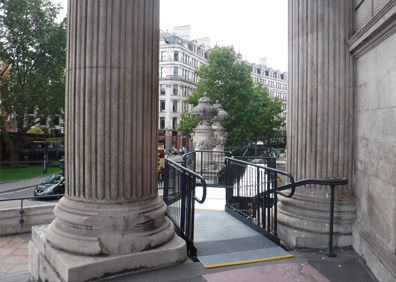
(179, 58)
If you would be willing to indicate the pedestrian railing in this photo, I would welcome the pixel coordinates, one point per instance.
(252, 191)
(22, 199)
(209, 164)
(179, 195)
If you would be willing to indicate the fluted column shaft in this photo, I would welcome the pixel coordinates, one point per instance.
(320, 124)
(112, 100)
(320, 115)
(111, 205)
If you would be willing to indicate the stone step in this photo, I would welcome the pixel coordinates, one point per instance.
(20, 276)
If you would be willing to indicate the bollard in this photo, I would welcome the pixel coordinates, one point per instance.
(45, 163)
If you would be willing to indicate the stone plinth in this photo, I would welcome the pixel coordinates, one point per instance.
(47, 263)
(220, 133)
(320, 122)
(111, 210)
(203, 137)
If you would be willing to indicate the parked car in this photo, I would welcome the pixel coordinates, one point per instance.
(52, 185)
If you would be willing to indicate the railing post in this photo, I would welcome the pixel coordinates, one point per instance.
(257, 210)
(21, 212)
(330, 252)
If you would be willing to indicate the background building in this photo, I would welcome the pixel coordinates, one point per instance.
(179, 58)
(276, 82)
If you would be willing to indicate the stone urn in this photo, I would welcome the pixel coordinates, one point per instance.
(203, 138)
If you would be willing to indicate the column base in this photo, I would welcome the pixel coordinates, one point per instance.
(298, 239)
(304, 222)
(93, 229)
(47, 263)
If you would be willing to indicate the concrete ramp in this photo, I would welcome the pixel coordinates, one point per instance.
(222, 240)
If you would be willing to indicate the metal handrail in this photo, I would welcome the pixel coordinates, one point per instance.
(290, 185)
(205, 151)
(185, 170)
(332, 182)
(33, 198)
(22, 211)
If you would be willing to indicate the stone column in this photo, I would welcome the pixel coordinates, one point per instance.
(111, 207)
(320, 122)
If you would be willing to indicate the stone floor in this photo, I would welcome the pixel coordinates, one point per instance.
(14, 252)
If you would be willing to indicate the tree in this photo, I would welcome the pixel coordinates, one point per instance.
(227, 78)
(33, 45)
(189, 123)
(264, 115)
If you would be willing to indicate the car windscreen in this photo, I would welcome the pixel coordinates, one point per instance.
(53, 179)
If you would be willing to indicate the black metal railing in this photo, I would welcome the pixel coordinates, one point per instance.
(251, 193)
(209, 164)
(332, 182)
(22, 199)
(179, 195)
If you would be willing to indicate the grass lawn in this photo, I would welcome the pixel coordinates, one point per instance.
(8, 174)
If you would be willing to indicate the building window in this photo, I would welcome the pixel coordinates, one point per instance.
(43, 121)
(175, 71)
(174, 106)
(162, 106)
(162, 123)
(162, 89)
(175, 89)
(163, 72)
(56, 121)
(184, 107)
(174, 123)
(163, 56)
(30, 120)
(185, 91)
(176, 56)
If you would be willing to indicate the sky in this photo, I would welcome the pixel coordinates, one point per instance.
(256, 28)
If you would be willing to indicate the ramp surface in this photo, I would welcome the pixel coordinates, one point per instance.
(222, 240)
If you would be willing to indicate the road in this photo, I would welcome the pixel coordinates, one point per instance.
(19, 189)
(24, 192)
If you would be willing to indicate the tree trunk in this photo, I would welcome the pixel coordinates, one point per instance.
(14, 152)
(14, 144)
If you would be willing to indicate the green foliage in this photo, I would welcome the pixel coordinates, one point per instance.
(187, 123)
(253, 115)
(264, 115)
(34, 47)
(35, 130)
(13, 174)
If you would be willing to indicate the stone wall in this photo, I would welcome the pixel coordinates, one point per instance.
(373, 47)
(32, 215)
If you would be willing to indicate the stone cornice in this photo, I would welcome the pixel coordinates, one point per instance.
(380, 27)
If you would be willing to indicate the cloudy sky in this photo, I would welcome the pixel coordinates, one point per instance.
(256, 28)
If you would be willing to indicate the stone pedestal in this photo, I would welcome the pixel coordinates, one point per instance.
(320, 122)
(111, 212)
(203, 137)
(220, 133)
